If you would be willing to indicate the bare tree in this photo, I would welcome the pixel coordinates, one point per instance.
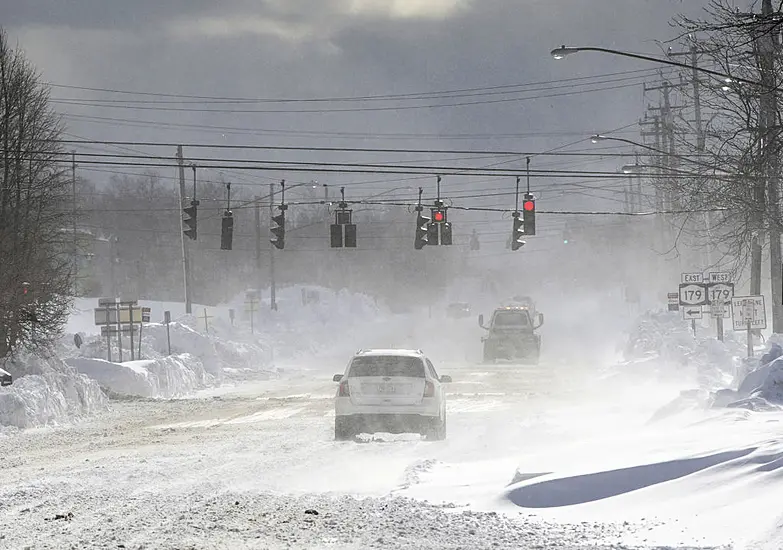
(36, 240)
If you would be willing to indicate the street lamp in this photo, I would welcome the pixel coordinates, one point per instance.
(563, 51)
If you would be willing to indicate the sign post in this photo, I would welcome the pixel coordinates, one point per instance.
(720, 292)
(748, 313)
(167, 320)
(145, 318)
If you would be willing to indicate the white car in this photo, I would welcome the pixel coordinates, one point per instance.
(390, 390)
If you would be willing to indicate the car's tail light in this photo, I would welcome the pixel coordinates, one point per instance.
(429, 389)
(344, 391)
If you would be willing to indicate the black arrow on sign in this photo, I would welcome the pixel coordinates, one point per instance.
(692, 311)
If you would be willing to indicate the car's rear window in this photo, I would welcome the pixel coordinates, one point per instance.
(387, 365)
(510, 318)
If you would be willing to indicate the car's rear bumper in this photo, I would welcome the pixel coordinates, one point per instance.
(391, 423)
(427, 407)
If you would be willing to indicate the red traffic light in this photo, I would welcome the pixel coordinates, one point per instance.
(439, 216)
(529, 206)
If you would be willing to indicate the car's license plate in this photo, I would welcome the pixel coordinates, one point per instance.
(386, 388)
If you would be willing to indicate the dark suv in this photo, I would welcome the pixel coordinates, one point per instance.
(511, 335)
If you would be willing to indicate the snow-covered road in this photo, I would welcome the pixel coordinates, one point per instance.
(255, 466)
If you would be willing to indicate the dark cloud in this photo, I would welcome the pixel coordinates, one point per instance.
(283, 48)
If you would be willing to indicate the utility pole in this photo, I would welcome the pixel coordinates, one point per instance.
(272, 297)
(185, 247)
(693, 52)
(767, 44)
(257, 211)
(73, 228)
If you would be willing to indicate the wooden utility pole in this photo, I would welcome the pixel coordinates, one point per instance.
(767, 46)
(185, 247)
(257, 211)
(272, 297)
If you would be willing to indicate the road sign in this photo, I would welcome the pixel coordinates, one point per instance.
(720, 277)
(691, 278)
(126, 329)
(693, 294)
(106, 301)
(145, 314)
(105, 316)
(674, 301)
(720, 311)
(689, 312)
(720, 292)
(748, 308)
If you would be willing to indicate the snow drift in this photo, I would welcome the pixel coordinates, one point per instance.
(45, 391)
(167, 377)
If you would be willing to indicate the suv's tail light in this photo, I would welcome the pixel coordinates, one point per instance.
(344, 391)
(429, 389)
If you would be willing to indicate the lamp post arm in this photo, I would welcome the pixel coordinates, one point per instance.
(564, 50)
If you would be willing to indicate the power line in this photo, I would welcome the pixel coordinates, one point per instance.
(414, 95)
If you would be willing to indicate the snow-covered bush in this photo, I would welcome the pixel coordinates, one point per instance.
(664, 344)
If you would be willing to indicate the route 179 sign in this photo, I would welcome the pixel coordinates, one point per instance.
(693, 294)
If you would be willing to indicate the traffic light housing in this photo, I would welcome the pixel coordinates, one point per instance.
(432, 233)
(422, 231)
(445, 233)
(278, 230)
(350, 235)
(529, 214)
(336, 235)
(440, 228)
(227, 231)
(518, 233)
(343, 220)
(192, 221)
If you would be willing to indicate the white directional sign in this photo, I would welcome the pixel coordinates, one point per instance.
(693, 294)
(720, 293)
(720, 277)
(689, 312)
(691, 278)
(720, 311)
(748, 308)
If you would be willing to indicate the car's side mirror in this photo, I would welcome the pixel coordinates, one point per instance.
(337, 377)
(481, 320)
(540, 320)
(445, 379)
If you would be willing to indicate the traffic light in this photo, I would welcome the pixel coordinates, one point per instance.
(192, 221)
(279, 230)
(350, 235)
(336, 235)
(422, 231)
(432, 233)
(529, 215)
(517, 233)
(227, 231)
(445, 233)
(343, 220)
(440, 228)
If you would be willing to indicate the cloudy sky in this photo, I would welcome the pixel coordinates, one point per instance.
(294, 49)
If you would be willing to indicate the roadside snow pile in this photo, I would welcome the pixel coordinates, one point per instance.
(309, 319)
(46, 391)
(166, 377)
(664, 345)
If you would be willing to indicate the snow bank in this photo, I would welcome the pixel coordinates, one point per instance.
(167, 377)
(663, 345)
(46, 391)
